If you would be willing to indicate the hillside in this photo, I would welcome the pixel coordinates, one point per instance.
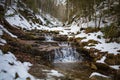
(59, 40)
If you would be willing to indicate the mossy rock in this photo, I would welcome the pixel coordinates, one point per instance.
(91, 30)
(110, 59)
(117, 59)
(105, 69)
(82, 44)
(79, 39)
(5, 48)
(93, 66)
(85, 53)
(93, 41)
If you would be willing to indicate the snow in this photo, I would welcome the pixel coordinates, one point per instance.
(60, 2)
(74, 29)
(39, 17)
(2, 41)
(117, 67)
(9, 67)
(111, 47)
(19, 21)
(6, 31)
(101, 60)
(97, 74)
(52, 73)
(55, 73)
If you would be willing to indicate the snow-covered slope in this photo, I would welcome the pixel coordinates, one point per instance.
(25, 18)
(11, 69)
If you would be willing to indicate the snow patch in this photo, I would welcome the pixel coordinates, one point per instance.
(102, 60)
(117, 67)
(19, 21)
(6, 31)
(60, 2)
(98, 74)
(53, 73)
(9, 67)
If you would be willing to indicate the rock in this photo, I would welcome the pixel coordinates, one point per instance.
(117, 76)
(110, 59)
(117, 59)
(85, 53)
(93, 66)
(1, 10)
(60, 38)
(105, 69)
(41, 38)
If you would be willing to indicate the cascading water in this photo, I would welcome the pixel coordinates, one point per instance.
(48, 38)
(66, 53)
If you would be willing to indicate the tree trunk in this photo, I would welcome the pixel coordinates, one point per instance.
(95, 14)
(100, 20)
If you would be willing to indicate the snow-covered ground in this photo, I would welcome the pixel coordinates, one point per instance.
(12, 69)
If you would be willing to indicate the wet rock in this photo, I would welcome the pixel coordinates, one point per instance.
(105, 69)
(60, 38)
(41, 38)
(85, 53)
(1, 10)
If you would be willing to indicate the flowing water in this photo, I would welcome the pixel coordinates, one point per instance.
(48, 38)
(64, 57)
(66, 53)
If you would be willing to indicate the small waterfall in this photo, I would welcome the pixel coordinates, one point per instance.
(48, 38)
(66, 53)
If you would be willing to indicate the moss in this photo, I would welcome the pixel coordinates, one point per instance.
(93, 41)
(79, 39)
(91, 30)
(28, 78)
(117, 59)
(5, 48)
(111, 32)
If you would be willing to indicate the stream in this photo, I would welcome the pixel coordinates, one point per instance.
(61, 56)
(66, 58)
